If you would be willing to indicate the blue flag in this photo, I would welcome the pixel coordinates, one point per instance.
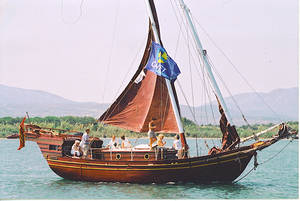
(160, 63)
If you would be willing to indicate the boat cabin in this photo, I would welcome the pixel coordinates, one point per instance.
(54, 145)
(140, 153)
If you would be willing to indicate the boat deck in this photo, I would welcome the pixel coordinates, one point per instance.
(144, 154)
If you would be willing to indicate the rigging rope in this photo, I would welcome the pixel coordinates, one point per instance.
(256, 164)
(76, 19)
(111, 49)
(276, 153)
(192, 86)
(244, 175)
(130, 68)
(201, 63)
(190, 69)
(178, 37)
(194, 118)
(206, 95)
(205, 85)
(236, 69)
(227, 89)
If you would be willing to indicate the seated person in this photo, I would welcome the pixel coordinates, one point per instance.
(160, 141)
(125, 143)
(113, 144)
(75, 151)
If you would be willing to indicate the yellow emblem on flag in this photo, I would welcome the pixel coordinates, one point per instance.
(162, 57)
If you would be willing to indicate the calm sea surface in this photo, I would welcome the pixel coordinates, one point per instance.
(25, 174)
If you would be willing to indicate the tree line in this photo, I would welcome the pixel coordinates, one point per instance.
(10, 125)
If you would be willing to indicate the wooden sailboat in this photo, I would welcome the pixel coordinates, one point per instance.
(147, 96)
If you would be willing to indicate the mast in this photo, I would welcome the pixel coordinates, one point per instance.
(168, 82)
(203, 53)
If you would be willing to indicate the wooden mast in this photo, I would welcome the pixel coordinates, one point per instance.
(151, 10)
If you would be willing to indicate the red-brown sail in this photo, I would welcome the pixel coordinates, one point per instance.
(141, 103)
(145, 97)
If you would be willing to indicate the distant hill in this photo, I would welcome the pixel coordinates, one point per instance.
(16, 101)
(277, 105)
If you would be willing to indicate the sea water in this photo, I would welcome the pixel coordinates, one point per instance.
(25, 174)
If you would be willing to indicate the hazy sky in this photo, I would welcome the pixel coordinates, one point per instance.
(85, 54)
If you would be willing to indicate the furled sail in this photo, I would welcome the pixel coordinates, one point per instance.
(145, 98)
(230, 136)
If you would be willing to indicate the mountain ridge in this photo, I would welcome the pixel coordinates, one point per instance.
(256, 106)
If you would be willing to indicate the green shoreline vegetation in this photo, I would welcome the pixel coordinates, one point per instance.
(10, 125)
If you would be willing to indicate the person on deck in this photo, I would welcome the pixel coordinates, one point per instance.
(151, 133)
(84, 144)
(75, 151)
(176, 143)
(125, 143)
(113, 144)
(160, 141)
(177, 146)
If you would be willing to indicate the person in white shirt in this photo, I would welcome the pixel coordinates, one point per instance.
(113, 144)
(177, 146)
(177, 143)
(125, 143)
(84, 144)
(75, 149)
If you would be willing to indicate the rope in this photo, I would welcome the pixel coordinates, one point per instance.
(244, 175)
(194, 118)
(111, 49)
(76, 19)
(192, 87)
(276, 153)
(205, 87)
(236, 69)
(178, 37)
(183, 22)
(256, 164)
(130, 68)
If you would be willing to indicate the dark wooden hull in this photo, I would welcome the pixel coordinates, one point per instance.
(143, 166)
(223, 168)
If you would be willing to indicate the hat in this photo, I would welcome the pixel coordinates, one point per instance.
(77, 141)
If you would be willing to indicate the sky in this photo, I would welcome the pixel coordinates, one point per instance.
(87, 50)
